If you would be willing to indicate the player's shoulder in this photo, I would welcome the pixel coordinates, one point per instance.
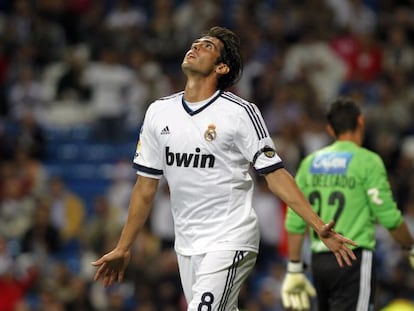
(162, 102)
(169, 99)
(370, 156)
(359, 152)
(361, 155)
(236, 102)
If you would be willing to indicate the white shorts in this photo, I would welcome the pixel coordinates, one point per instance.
(212, 281)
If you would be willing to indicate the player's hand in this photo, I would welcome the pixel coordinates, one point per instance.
(111, 267)
(337, 244)
(296, 289)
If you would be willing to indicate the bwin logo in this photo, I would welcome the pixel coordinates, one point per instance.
(189, 159)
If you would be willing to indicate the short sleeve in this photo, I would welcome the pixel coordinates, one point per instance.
(254, 141)
(148, 158)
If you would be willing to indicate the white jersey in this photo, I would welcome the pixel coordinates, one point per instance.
(205, 156)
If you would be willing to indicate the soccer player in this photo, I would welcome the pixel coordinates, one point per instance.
(203, 141)
(347, 183)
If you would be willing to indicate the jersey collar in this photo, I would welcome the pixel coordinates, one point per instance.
(193, 112)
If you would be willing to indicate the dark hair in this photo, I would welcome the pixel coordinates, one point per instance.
(343, 115)
(230, 55)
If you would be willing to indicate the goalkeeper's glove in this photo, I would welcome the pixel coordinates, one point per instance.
(296, 289)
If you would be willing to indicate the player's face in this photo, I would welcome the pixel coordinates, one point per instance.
(202, 56)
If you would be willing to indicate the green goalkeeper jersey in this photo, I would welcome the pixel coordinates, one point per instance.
(349, 184)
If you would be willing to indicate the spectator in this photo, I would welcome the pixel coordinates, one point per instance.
(369, 59)
(268, 295)
(125, 17)
(353, 14)
(161, 33)
(125, 21)
(67, 211)
(16, 206)
(30, 136)
(32, 173)
(193, 17)
(283, 108)
(26, 94)
(4, 68)
(346, 45)
(18, 29)
(102, 226)
(7, 144)
(70, 85)
(42, 239)
(150, 83)
(398, 50)
(110, 82)
(313, 60)
(117, 193)
(79, 300)
(13, 287)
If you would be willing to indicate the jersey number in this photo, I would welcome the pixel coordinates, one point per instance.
(335, 199)
(375, 196)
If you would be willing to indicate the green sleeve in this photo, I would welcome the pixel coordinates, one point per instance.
(379, 194)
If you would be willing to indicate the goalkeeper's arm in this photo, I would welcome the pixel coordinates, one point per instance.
(296, 289)
(402, 235)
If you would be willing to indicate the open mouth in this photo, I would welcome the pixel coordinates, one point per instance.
(191, 55)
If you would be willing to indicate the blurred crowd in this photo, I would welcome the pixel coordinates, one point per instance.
(101, 62)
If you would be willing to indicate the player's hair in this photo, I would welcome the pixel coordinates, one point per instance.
(343, 115)
(230, 55)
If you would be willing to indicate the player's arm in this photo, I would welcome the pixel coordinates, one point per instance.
(111, 266)
(262, 155)
(385, 208)
(295, 244)
(142, 197)
(402, 235)
(282, 184)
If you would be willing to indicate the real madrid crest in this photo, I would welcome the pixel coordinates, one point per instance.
(210, 134)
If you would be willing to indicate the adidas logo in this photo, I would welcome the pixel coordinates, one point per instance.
(165, 131)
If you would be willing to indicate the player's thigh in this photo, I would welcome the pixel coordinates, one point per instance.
(219, 279)
(347, 288)
(358, 292)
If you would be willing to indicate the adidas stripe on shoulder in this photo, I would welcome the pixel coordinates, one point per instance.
(250, 109)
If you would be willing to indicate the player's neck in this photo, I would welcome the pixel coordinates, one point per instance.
(352, 137)
(199, 89)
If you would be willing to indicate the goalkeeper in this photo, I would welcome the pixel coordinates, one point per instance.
(347, 183)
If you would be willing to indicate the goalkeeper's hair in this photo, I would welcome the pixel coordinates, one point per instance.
(229, 55)
(343, 115)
